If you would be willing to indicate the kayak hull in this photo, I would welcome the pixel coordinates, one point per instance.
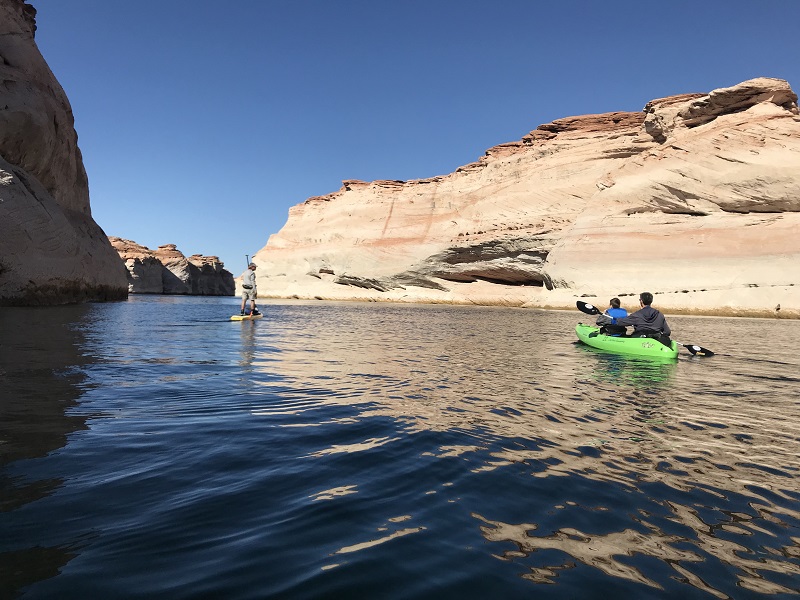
(646, 347)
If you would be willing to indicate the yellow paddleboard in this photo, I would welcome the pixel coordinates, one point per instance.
(245, 317)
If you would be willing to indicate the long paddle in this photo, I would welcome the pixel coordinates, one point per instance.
(591, 309)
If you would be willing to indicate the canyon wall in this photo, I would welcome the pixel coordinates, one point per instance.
(696, 199)
(51, 250)
(167, 271)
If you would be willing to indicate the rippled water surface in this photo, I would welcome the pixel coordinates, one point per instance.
(153, 448)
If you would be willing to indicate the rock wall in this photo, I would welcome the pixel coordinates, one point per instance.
(51, 250)
(696, 198)
(167, 271)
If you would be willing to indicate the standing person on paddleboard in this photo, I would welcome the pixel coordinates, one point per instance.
(647, 321)
(249, 289)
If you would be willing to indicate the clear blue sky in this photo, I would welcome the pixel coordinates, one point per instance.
(202, 122)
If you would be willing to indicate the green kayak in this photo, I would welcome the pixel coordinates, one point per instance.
(591, 336)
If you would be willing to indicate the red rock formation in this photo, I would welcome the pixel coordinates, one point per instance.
(144, 269)
(167, 271)
(209, 277)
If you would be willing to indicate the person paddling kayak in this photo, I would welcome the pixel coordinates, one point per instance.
(608, 319)
(615, 310)
(647, 321)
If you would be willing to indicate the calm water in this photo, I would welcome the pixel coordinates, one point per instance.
(154, 449)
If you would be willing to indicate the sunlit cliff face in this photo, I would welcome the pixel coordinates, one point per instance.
(695, 198)
(51, 250)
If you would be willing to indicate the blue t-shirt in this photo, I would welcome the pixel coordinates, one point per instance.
(616, 313)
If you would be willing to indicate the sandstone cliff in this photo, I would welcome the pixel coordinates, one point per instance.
(51, 250)
(167, 271)
(696, 198)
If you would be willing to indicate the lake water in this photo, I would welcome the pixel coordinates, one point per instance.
(152, 448)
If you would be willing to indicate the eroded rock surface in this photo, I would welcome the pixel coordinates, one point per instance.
(167, 271)
(696, 198)
(51, 250)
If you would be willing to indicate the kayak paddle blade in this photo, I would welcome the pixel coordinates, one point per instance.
(698, 350)
(587, 308)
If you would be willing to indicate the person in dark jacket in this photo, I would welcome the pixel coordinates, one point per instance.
(647, 321)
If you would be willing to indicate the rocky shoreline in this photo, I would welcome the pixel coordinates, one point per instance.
(713, 304)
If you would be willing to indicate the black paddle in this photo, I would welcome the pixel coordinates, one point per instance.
(591, 309)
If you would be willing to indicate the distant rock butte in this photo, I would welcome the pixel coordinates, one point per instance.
(696, 199)
(167, 271)
(51, 250)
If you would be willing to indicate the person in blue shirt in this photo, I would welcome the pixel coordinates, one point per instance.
(615, 311)
(608, 320)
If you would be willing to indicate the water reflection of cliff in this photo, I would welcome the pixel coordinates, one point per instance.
(513, 374)
(519, 393)
(40, 371)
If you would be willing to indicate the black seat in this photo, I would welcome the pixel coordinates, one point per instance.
(612, 329)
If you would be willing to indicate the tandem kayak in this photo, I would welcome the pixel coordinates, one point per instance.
(638, 346)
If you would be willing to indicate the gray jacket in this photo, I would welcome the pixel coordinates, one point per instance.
(249, 278)
(646, 318)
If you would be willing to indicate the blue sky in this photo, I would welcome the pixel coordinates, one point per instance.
(202, 122)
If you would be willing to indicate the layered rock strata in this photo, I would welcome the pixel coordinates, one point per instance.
(167, 271)
(696, 198)
(51, 250)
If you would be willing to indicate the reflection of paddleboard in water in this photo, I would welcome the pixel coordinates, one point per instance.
(245, 317)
